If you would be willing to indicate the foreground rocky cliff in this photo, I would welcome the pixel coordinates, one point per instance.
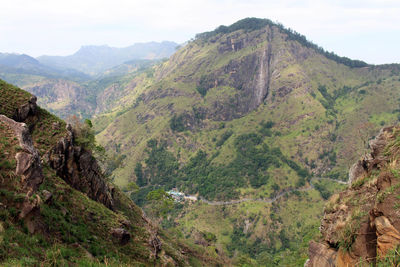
(56, 208)
(361, 225)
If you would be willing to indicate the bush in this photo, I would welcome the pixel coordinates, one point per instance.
(176, 123)
(225, 136)
(83, 133)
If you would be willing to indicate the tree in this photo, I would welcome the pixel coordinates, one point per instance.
(159, 204)
(83, 132)
(132, 187)
(140, 179)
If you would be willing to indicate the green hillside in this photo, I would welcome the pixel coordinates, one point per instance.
(249, 111)
(57, 209)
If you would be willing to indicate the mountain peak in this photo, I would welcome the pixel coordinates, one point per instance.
(254, 24)
(248, 24)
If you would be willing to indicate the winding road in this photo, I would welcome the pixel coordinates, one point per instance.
(268, 200)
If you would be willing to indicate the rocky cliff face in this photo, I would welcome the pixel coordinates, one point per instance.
(72, 163)
(25, 110)
(78, 168)
(250, 64)
(361, 225)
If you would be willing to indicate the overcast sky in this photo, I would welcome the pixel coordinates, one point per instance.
(361, 29)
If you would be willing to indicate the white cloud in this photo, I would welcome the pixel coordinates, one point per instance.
(62, 26)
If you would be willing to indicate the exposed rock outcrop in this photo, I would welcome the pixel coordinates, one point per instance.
(28, 160)
(80, 169)
(362, 224)
(73, 163)
(28, 167)
(25, 110)
(121, 235)
(388, 236)
(321, 255)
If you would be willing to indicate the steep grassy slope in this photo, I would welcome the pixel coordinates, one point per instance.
(308, 113)
(56, 208)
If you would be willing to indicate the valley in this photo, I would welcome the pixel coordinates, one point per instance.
(249, 111)
(254, 123)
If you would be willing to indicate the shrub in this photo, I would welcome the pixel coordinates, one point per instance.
(177, 123)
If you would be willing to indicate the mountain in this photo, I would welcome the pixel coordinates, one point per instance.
(361, 225)
(58, 90)
(23, 69)
(18, 61)
(58, 209)
(67, 92)
(96, 59)
(66, 97)
(258, 123)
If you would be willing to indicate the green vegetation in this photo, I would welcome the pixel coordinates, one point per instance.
(68, 228)
(224, 137)
(253, 159)
(177, 123)
(11, 98)
(392, 258)
(159, 203)
(223, 143)
(252, 24)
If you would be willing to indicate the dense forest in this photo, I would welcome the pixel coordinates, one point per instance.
(249, 168)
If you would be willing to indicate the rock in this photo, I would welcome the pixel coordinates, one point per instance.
(27, 109)
(56, 125)
(29, 205)
(46, 196)
(356, 171)
(125, 223)
(155, 242)
(379, 143)
(28, 161)
(373, 159)
(368, 207)
(122, 235)
(321, 255)
(79, 169)
(388, 236)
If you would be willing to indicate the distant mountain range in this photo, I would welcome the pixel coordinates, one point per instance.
(16, 64)
(71, 84)
(96, 59)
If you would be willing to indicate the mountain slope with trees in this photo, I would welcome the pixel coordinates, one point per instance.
(250, 110)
